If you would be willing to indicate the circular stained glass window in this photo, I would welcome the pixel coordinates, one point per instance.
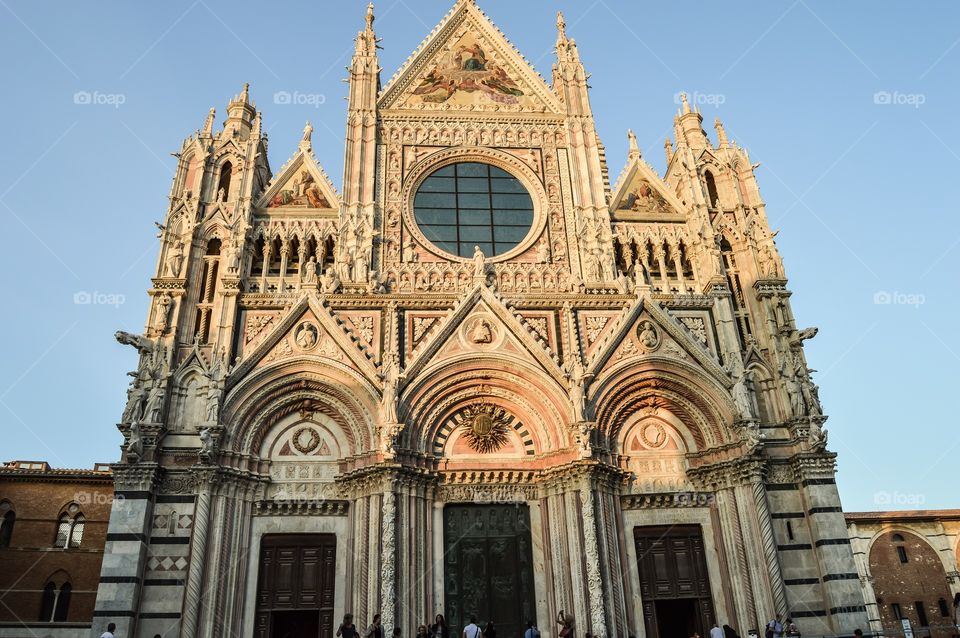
(472, 204)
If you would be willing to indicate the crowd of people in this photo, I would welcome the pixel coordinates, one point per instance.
(439, 629)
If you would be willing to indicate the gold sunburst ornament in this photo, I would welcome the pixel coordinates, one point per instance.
(484, 427)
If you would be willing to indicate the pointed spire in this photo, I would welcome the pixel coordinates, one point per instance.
(208, 123)
(561, 28)
(722, 141)
(685, 105)
(245, 95)
(668, 149)
(634, 147)
(257, 124)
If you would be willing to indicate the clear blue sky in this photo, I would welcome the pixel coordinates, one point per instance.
(864, 193)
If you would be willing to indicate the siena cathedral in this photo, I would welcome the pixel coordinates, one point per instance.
(480, 379)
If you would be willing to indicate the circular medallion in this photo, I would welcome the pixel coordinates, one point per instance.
(648, 336)
(482, 424)
(305, 440)
(653, 435)
(306, 336)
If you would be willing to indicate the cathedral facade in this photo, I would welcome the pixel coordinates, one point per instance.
(479, 379)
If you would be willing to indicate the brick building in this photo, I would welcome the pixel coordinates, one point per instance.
(53, 526)
(907, 563)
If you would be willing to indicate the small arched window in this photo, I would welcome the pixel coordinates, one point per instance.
(223, 186)
(711, 189)
(62, 607)
(6, 527)
(69, 531)
(48, 602)
(897, 538)
(55, 602)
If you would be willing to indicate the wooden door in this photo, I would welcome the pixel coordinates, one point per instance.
(673, 580)
(295, 583)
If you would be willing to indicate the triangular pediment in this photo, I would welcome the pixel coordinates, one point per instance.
(467, 64)
(308, 329)
(482, 325)
(647, 330)
(641, 193)
(301, 185)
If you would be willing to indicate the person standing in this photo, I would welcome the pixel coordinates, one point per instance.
(775, 628)
(375, 630)
(489, 631)
(716, 632)
(109, 632)
(422, 632)
(532, 631)
(347, 629)
(472, 630)
(439, 627)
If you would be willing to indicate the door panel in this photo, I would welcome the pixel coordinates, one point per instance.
(295, 585)
(674, 583)
(489, 567)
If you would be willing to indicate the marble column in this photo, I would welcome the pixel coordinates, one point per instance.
(193, 600)
(126, 550)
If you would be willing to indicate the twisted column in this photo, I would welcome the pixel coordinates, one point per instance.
(770, 548)
(194, 594)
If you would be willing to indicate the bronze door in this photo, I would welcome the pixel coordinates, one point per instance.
(488, 569)
(295, 586)
(674, 584)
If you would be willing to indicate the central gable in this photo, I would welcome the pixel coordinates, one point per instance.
(467, 64)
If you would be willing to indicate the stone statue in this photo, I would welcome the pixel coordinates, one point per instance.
(233, 261)
(135, 443)
(346, 265)
(221, 195)
(154, 408)
(361, 266)
(213, 403)
(543, 252)
(479, 263)
(751, 434)
(307, 132)
(817, 436)
(163, 313)
(175, 261)
(309, 274)
(410, 251)
(389, 435)
(811, 395)
(481, 332)
(581, 435)
(576, 392)
(208, 445)
(132, 411)
(388, 402)
(797, 405)
(743, 396)
(329, 283)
